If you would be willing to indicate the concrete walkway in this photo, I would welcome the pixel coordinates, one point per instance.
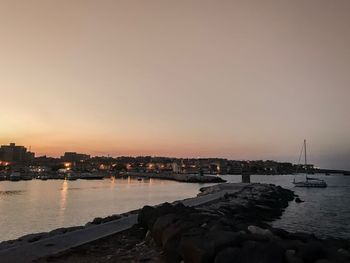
(62, 242)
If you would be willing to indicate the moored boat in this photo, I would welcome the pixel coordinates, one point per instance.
(91, 176)
(15, 176)
(309, 182)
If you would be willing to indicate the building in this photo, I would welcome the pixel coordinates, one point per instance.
(74, 157)
(15, 154)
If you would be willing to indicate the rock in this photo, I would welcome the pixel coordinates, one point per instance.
(259, 231)
(196, 249)
(343, 253)
(291, 244)
(148, 238)
(298, 200)
(160, 225)
(291, 257)
(280, 232)
(148, 215)
(111, 218)
(253, 237)
(312, 251)
(223, 239)
(97, 221)
(323, 261)
(172, 235)
(34, 238)
(257, 252)
(302, 236)
(228, 255)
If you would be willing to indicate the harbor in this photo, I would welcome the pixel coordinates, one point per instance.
(224, 220)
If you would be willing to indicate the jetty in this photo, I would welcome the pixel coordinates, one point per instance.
(186, 177)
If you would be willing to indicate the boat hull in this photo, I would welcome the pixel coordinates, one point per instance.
(310, 185)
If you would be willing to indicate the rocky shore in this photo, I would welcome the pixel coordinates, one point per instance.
(232, 227)
(235, 229)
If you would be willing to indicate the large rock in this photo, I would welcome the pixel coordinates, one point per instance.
(196, 249)
(160, 225)
(148, 215)
(257, 252)
(291, 257)
(223, 239)
(172, 235)
(228, 255)
(312, 251)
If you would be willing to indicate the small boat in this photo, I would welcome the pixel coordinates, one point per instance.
(15, 176)
(91, 176)
(309, 181)
(71, 177)
(44, 177)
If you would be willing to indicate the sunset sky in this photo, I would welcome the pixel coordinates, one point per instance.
(234, 79)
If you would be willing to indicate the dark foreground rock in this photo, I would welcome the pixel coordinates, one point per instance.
(235, 229)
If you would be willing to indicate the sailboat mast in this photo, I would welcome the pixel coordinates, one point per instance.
(305, 152)
(305, 155)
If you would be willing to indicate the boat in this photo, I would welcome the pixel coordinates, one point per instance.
(309, 181)
(71, 177)
(91, 176)
(44, 177)
(15, 176)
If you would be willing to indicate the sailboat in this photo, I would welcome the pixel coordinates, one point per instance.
(309, 181)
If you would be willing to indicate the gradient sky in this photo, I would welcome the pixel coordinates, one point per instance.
(235, 79)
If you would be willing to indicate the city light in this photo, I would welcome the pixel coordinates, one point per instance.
(67, 165)
(3, 163)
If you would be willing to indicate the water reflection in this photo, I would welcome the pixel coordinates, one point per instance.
(63, 200)
(129, 182)
(113, 182)
(7, 193)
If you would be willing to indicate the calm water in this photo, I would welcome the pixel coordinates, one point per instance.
(325, 212)
(37, 206)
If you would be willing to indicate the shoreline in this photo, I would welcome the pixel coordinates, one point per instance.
(238, 211)
(185, 178)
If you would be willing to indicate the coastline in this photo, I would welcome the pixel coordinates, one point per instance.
(186, 178)
(231, 215)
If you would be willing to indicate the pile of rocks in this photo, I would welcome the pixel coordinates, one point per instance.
(235, 229)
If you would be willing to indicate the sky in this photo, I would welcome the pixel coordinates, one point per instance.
(195, 78)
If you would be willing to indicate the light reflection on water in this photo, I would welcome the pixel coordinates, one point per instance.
(63, 201)
(37, 206)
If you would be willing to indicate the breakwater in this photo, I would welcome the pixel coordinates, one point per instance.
(234, 228)
(187, 178)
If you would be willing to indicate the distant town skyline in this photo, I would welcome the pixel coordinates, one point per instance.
(25, 154)
(243, 80)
